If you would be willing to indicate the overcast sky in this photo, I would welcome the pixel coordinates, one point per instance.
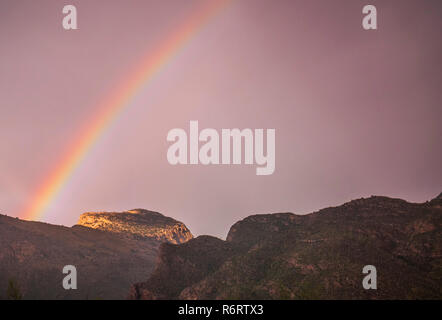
(356, 113)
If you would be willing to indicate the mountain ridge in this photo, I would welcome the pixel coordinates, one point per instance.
(315, 256)
(265, 256)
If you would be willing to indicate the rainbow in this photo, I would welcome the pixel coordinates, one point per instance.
(110, 108)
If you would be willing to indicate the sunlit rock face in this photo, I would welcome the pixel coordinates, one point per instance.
(138, 223)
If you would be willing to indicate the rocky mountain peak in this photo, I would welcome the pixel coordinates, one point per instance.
(138, 223)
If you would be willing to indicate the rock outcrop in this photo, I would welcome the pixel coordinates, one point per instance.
(138, 223)
(316, 256)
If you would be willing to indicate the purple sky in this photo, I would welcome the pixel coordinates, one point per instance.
(356, 112)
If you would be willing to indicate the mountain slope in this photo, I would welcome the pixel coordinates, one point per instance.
(34, 254)
(314, 256)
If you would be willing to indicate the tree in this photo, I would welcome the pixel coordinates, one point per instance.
(13, 291)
